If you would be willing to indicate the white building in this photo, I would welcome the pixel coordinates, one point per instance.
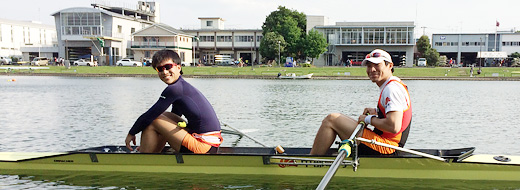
(353, 40)
(81, 29)
(27, 39)
(214, 39)
(161, 36)
(464, 47)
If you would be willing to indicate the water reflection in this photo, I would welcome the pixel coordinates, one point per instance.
(115, 180)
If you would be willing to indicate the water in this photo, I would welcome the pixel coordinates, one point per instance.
(49, 114)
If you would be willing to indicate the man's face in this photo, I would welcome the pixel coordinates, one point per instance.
(379, 73)
(168, 71)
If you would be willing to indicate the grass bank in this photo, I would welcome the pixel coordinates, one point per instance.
(273, 71)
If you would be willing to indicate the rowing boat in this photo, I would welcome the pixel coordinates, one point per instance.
(294, 76)
(461, 163)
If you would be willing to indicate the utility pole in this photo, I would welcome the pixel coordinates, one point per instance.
(480, 58)
(251, 58)
(278, 52)
(424, 30)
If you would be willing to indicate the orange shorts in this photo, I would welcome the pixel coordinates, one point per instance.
(368, 134)
(194, 145)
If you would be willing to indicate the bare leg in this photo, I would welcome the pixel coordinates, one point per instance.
(334, 124)
(163, 129)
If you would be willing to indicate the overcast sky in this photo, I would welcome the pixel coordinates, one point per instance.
(437, 16)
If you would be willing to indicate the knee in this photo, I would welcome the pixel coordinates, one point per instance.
(331, 117)
(329, 120)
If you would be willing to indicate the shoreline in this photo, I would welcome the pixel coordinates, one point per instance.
(260, 76)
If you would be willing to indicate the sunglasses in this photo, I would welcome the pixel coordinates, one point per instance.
(375, 54)
(165, 67)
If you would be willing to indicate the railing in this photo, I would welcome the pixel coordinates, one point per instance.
(153, 44)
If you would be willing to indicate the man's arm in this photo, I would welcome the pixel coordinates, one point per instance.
(392, 123)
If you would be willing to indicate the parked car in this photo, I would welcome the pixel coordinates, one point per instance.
(5, 61)
(185, 64)
(129, 62)
(82, 62)
(39, 61)
(421, 62)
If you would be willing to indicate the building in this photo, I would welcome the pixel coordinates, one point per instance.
(213, 39)
(465, 47)
(353, 40)
(102, 32)
(161, 36)
(27, 39)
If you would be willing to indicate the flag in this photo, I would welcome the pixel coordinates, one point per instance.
(498, 24)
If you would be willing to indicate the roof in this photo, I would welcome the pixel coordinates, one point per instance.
(33, 24)
(169, 28)
(370, 24)
(212, 18)
(93, 10)
(222, 30)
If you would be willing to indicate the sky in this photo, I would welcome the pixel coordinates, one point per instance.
(430, 16)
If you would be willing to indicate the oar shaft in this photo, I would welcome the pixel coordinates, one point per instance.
(245, 135)
(337, 162)
(401, 149)
(332, 170)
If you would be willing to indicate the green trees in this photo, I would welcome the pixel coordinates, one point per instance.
(272, 45)
(289, 28)
(315, 44)
(425, 49)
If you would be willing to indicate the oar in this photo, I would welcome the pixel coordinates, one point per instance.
(339, 159)
(402, 149)
(243, 134)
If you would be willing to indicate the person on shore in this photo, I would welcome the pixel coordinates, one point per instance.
(391, 118)
(200, 135)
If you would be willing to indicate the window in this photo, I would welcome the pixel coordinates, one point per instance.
(132, 30)
(183, 58)
(224, 38)
(209, 23)
(207, 38)
(81, 23)
(398, 36)
(244, 38)
(351, 36)
(379, 36)
(119, 29)
(374, 36)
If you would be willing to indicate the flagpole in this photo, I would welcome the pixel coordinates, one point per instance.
(496, 28)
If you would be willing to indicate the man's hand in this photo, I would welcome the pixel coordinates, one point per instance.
(362, 118)
(370, 111)
(130, 138)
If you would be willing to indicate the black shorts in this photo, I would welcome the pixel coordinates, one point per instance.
(364, 150)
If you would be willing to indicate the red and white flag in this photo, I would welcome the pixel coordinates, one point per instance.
(498, 24)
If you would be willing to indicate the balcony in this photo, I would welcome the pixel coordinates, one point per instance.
(155, 45)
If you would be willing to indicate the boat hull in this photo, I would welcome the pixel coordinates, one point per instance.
(262, 164)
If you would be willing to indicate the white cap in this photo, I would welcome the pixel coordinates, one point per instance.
(377, 56)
